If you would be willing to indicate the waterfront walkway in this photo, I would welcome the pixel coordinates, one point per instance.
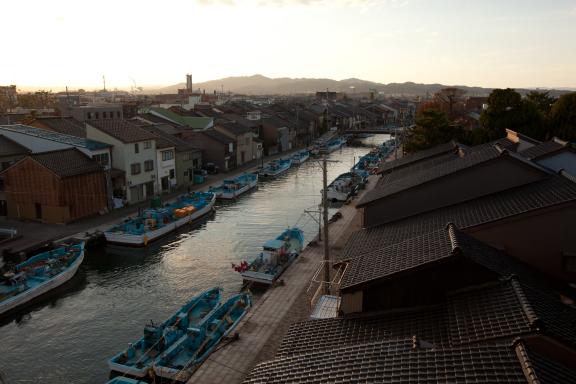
(266, 323)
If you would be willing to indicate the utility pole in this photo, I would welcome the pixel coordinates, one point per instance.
(325, 217)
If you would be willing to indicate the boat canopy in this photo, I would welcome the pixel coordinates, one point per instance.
(274, 244)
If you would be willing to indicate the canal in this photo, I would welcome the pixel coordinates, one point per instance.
(68, 336)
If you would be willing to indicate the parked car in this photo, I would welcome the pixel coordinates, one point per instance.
(200, 172)
(211, 168)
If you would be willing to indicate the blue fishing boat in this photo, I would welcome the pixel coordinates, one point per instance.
(38, 275)
(154, 223)
(275, 167)
(232, 188)
(275, 257)
(300, 157)
(183, 357)
(333, 144)
(138, 358)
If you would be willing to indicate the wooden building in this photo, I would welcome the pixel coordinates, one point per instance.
(55, 187)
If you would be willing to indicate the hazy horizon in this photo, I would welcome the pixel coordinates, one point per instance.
(517, 44)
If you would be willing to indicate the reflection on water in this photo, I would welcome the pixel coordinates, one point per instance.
(69, 336)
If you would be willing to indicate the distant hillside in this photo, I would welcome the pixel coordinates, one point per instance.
(262, 85)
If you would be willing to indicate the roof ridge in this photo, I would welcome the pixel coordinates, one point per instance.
(525, 362)
(454, 241)
(567, 175)
(533, 319)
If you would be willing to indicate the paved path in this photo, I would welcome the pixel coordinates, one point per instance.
(266, 323)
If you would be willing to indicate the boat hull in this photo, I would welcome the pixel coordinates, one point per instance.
(126, 239)
(238, 192)
(27, 296)
(265, 279)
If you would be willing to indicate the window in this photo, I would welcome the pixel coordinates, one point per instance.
(117, 114)
(89, 115)
(135, 168)
(136, 148)
(149, 165)
(167, 155)
(96, 115)
(172, 174)
(147, 144)
(104, 115)
(102, 158)
(188, 156)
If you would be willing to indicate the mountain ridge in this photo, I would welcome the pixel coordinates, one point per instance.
(261, 85)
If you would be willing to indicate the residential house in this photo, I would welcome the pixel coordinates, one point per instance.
(95, 112)
(456, 309)
(243, 137)
(275, 135)
(133, 153)
(217, 148)
(55, 187)
(166, 170)
(187, 157)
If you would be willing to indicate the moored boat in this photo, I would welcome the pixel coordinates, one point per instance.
(300, 157)
(345, 185)
(275, 257)
(275, 167)
(183, 357)
(154, 223)
(138, 358)
(232, 188)
(38, 275)
(124, 380)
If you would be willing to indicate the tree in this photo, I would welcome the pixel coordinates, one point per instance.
(542, 100)
(432, 128)
(563, 117)
(506, 109)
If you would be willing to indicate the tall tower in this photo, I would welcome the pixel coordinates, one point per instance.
(189, 83)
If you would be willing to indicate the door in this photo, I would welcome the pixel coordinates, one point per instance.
(149, 189)
(165, 184)
(38, 209)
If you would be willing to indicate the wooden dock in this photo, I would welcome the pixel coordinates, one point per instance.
(264, 326)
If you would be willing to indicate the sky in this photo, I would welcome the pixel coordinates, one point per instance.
(490, 43)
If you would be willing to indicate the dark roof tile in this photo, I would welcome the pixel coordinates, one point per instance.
(419, 156)
(555, 189)
(123, 130)
(67, 162)
(393, 184)
(66, 125)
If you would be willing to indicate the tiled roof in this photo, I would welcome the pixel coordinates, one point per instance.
(157, 120)
(193, 122)
(173, 141)
(235, 128)
(487, 313)
(395, 185)
(396, 361)
(220, 137)
(325, 334)
(122, 130)
(400, 257)
(67, 162)
(9, 147)
(545, 148)
(417, 252)
(419, 156)
(546, 370)
(66, 125)
(54, 136)
(555, 189)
